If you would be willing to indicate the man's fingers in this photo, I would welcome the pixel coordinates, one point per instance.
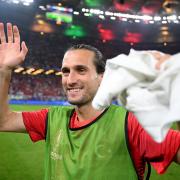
(24, 50)
(16, 34)
(2, 33)
(9, 32)
(162, 59)
(158, 64)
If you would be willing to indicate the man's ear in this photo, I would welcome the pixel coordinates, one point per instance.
(101, 75)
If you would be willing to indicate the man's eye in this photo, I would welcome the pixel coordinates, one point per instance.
(65, 72)
(81, 69)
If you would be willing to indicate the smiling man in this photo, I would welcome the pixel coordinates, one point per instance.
(79, 74)
(81, 142)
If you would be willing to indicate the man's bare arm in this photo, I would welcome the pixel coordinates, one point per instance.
(12, 53)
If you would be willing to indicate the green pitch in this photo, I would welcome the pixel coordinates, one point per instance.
(21, 159)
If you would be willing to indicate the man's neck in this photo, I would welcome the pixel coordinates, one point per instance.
(86, 112)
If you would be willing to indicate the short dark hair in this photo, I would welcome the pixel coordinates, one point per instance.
(99, 60)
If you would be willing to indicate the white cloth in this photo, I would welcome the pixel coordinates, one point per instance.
(152, 95)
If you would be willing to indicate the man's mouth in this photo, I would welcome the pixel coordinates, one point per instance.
(74, 90)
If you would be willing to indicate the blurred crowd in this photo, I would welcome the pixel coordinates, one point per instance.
(46, 51)
(41, 87)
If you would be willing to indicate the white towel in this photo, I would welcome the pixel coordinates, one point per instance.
(152, 95)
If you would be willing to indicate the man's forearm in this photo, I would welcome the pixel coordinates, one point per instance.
(5, 77)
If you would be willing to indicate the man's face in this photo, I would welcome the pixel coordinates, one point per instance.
(79, 77)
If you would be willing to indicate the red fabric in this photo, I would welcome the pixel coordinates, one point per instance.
(35, 124)
(75, 123)
(142, 146)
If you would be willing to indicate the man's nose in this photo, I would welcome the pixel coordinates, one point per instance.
(72, 78)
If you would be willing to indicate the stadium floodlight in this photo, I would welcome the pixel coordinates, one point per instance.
(124, 19)
(42, 8)
(146, 18)
(113, 18)
(176, 21)
(101, 17)
(95, 11)
(30, 70)
(129, 17)
(76, 12)
(172, 17)
(137, 20)
(164, 17)
(16, 1)
(157, 18)
(151, 22)
(24, 2)
(87, 14)
(58, 73)
(37, 71)
(50, 71)
(18, 69)
(164, 22)
(108, 13)
(83, 10)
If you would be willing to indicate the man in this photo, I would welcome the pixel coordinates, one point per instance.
(83, 143)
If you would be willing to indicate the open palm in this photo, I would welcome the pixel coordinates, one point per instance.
(12, 52)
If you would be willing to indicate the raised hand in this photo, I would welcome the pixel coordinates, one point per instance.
(12, 51)
(160, 57)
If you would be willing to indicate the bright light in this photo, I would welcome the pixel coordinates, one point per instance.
(38, 71)
(16, 2)
(108, 13)
(164, 17)
(42, 8)
(137, 20)
(157, 18)
(19, 69)
(165, 43)
(113, 18)
(76, 12)
(173, 17)
(176, 21)
(101, 17)
(24, 2)
(87, 14)
(50, 71)
(87, 10)
(151, 22)
(124, 19)
(83, 10)
(164, 22)
(58, 73)
(95, 11)
(30, 70)
(165, 33)
(146, 17)
(129, 17)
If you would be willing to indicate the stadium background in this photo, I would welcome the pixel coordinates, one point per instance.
(49, 28)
